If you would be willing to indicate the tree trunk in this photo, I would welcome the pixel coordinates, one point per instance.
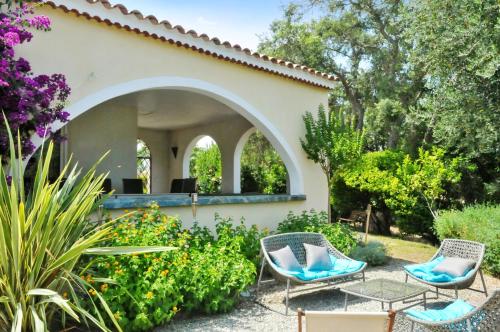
(356, 105)
(329, 206)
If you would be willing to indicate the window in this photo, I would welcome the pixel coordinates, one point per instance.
(144, 165)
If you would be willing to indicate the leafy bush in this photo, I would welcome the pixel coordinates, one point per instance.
(411, 188)
(339, 235)
(479, 223)
(374, 253)
(206, 274)
(206, 166)
(262, 169)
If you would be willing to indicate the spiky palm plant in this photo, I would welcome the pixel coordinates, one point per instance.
(43, 235)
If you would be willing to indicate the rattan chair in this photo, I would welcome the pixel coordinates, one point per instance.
(296, 242)
(483, 318)
(463, 249)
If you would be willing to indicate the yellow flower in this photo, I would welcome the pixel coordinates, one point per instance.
(104, 287)
(149, 295)
(164, 272)
(65, 295)
(117, 315)
(174, 309)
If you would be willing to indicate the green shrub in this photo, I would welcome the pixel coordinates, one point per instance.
(479, 223)
(206, 274)
(339, 235)
(374, 253)
(411, 188)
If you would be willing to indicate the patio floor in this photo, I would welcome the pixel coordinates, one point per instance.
(266, 313)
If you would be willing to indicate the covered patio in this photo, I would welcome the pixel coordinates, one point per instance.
(168, 87)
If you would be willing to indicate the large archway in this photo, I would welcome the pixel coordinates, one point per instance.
(218, 93)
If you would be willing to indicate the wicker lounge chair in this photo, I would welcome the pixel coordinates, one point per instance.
(483, 318)
(463, 249)
(296, 242)
(335, 321)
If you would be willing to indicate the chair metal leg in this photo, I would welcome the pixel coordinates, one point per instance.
(261, 272)
(287, 295)
(437, 293)
(456, 292)
(412, 326)
(363, 276)
(484, 284)
(406, 278)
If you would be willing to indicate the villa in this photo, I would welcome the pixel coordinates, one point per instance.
(135, 78)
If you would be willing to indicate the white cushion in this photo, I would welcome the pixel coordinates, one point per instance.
(454, 266)
(317, 258)
(285, 259)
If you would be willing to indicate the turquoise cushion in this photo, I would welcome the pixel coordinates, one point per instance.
(424, 272)
(453, 311)
(340, 266)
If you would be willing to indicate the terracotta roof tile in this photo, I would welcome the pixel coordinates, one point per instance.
(66, 6)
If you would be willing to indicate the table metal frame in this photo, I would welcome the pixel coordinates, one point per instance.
(391, 301)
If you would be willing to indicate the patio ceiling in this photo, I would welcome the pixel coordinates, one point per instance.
(175, 109)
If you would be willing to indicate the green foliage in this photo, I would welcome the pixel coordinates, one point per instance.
(374, 253)
(44, 234)
(413, 95)
(205, 165)
(262, 169)
(331, 143)
(404, 185)
(463, 74)
(479, 223)
(206, 274)
(339, 235)
(360, 42)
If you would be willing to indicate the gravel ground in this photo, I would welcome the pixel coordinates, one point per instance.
(266, 312)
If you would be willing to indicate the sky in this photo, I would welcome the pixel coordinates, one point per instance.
(237, 21)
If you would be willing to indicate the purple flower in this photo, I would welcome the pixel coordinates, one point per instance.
(42, 131)
(39, 22)
(11, 39)
(22, 65)
(31, 103)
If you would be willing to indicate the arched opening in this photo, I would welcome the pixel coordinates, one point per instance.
(205, 165)
(144, 169)
(261, 169)
(166, 83)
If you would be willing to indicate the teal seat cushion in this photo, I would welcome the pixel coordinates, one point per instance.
(424, 272)
(340, 267)
(453, 311)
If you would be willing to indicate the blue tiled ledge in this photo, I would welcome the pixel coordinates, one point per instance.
(172, 200)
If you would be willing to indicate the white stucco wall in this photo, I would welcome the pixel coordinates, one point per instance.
(106, 128)
(102, 62)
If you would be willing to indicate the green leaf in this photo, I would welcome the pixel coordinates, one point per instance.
(127, 250)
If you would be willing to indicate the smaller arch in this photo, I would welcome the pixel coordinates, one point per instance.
(144, 165)
(188, 152)
(237, 159)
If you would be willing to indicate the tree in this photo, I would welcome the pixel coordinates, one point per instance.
(411, 188)
(457, 43)
(206, 166)
(331, 143)
(359, 41)
(262, 169)
(30, 102)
